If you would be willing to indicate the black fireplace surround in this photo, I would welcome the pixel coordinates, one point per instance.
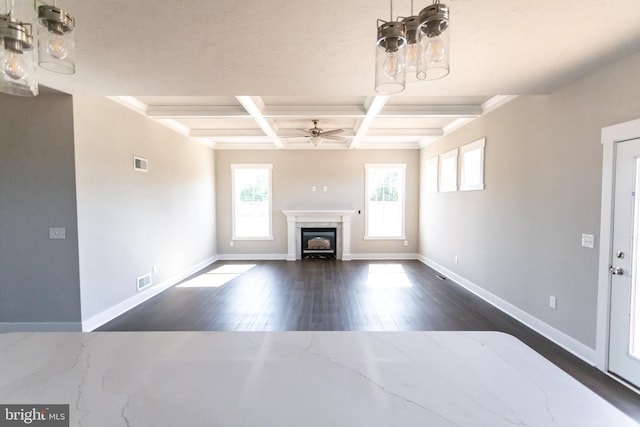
(318, 243)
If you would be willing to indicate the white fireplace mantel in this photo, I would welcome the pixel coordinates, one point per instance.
(297, 219)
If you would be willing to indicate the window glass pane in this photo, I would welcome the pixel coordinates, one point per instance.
(448, 174)
(472, 166)
(385, 204)
(252, 209)
(431, 175)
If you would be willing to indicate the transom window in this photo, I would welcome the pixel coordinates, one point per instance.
(251, 201)
(384, 215)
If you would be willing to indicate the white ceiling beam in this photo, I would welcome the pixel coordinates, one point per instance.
(226, 133)
(254, 106)
(416, 133)
(430, 111)
(374, 106)
(224, 145)
(284, 111)
(131, 102)
(497, 102)
(196, 111)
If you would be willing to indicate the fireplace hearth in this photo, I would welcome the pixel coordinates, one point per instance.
(318, 243)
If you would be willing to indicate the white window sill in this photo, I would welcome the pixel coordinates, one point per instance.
(252, 238)
(385, 238)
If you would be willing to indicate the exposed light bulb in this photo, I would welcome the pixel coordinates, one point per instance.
(13, 66)
(435, 49)
(413, 53)
(57, 47)
(393, 64)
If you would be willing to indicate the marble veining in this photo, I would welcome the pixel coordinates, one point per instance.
(296, 378)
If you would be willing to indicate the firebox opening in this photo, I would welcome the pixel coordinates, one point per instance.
(318, 243)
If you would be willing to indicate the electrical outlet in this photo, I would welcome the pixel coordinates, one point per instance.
(154, 269)
(406, 243)
(588, 241)
(230, 242)
(456, 259)
(552, 302)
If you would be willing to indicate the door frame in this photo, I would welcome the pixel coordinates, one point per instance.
(610, 135)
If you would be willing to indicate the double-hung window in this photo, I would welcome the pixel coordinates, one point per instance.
(385, 193)
(251, 188)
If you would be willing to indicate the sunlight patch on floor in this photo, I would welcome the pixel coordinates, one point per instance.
(217, 277)
(387, 276)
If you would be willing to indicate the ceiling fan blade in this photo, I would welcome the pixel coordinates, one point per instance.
(334, 138)
(332, 132)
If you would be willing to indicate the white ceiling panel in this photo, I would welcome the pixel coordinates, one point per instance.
(274, 65)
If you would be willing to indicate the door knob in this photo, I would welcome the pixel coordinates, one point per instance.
(616, 271)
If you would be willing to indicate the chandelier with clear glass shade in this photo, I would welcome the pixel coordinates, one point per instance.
(414, 48)
(18, 51)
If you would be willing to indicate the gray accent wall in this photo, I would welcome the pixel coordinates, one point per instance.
(294, 174)
(39, 282)
(129, 221)
(520, 238)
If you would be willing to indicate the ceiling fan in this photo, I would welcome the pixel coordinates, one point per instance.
(316, 135)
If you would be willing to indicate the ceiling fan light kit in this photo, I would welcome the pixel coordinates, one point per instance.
(316, 135)
(412, 49)
(17, 53)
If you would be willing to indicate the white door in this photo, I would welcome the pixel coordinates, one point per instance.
(624, 328)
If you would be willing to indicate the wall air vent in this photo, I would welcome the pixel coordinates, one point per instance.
(144, 281)
(140, 164)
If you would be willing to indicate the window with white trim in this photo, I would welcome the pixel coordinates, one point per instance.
(449, 171)
(385, 192)
(472, 166)
(251, 205)
(431, 175)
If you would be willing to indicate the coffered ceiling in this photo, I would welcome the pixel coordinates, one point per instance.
(252, 73)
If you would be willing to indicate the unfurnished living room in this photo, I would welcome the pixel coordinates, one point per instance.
(319, 213)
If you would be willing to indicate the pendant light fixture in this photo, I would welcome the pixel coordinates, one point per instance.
(17, 70)
(390, 55)
(55, 39)
(412, 25)
(434, 42)
(412, 48)
(17, 53)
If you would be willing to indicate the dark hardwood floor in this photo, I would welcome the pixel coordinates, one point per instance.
(328, 295)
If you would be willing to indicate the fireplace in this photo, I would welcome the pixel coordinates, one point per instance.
(340, 220)
(318, 243)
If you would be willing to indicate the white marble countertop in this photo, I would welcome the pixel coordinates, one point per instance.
(296, 379)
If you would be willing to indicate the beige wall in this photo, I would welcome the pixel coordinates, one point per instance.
(520, 239)
(129, 221)
(295, 172)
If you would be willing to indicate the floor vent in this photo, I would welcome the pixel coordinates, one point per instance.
(144, 281)
(440, 277)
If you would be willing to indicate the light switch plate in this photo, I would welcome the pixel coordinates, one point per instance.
(57, 233)
(588, 241)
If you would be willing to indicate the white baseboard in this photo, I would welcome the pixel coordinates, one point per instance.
(346, 257)
(111, 313)
(563, 340)
(6, 327)
(252, 257)
(390, 256)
